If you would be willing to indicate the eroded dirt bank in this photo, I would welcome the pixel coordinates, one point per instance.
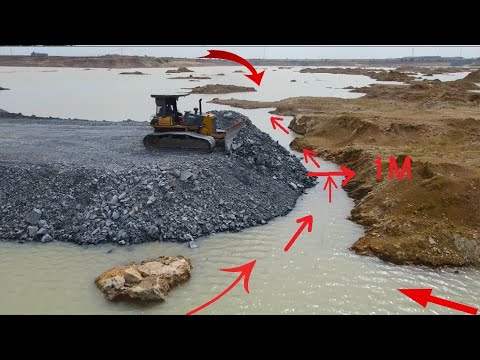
(433, 218)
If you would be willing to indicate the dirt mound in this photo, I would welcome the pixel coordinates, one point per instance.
(473, 77)
(434, 91)
(301, 123)
(93, 182)
(132, 73)
(221, 89)
(408, 129)
(347, 71)
(191, 77)
(357, 126)
(391, 75)
(179, 70)
(382, 75)
(467, 123)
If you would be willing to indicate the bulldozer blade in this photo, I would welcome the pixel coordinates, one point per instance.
(232, 132)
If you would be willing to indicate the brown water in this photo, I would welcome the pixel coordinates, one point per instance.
(319, 275)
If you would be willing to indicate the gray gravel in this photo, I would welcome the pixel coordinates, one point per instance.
(91, 182)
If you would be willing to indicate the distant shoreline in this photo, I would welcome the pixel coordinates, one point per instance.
(126, 62)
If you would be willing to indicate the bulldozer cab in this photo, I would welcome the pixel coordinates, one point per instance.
(166, 106)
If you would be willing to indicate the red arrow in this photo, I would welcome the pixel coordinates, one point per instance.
(306, 220)
(275, 122)
(345, 172)
(329, 183)
(310, 154)
(245, 272)
(220, 54)
(424, 296)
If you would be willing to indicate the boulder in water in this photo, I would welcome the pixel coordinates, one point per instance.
(148, 281)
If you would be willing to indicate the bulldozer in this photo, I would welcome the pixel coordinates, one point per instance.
(189, 131)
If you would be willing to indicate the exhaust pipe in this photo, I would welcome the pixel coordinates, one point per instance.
(200, 106)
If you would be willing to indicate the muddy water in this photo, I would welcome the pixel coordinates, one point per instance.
(319, 275)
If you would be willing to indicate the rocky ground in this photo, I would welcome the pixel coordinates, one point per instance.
(432, 219)
(92, 182)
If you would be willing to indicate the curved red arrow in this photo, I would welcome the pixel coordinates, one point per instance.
(349, 174)
(245, 272)
(309, 154)
(329, 183)
(275, 122)
(306, 220)
(220, 54)
(424, 296)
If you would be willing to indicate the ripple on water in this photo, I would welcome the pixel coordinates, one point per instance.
(318, 275)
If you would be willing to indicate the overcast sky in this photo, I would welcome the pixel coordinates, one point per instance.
(270, 52)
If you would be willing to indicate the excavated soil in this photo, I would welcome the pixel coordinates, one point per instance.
(431, 219)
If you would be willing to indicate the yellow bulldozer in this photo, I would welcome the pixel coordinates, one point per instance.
(189, 131)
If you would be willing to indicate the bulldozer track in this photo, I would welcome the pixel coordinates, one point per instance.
(179, 141)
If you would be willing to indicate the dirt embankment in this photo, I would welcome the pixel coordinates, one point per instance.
(403, 74)
(382, 75)
(431, 219)
(107, 61)
(427, 92)
(473, 77)
(221, 89)
(346, 71)
(431, 70)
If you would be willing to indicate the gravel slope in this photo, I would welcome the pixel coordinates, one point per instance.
(92, 182)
